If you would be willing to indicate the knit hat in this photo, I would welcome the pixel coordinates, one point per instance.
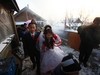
(70, 63)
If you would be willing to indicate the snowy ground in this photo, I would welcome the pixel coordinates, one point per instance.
(94, 61)
(93, 69)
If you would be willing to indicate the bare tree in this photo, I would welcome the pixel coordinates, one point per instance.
(84, 17)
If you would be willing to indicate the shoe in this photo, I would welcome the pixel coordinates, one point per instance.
(25, 56)
(80, 63)
(33, 67)
(85, 65)
(38, 72)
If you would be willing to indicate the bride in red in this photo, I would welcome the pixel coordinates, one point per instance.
(51, 54)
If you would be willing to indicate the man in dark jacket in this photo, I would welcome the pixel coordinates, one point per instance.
(29, 41)
(90, 38)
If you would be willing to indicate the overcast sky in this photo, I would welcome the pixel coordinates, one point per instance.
(57, 9)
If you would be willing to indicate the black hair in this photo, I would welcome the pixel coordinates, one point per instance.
(48, 42)
(47, 28)
(32, 22)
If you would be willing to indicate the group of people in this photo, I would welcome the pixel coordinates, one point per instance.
(45, 53)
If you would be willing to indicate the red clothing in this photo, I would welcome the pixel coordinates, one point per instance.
(57, 42)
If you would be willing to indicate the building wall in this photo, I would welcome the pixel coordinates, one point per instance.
(6, 27)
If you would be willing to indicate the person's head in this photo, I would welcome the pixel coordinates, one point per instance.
(70, 65)
(96, 21)
(48, 31)
(23, 26)
(32, 26)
